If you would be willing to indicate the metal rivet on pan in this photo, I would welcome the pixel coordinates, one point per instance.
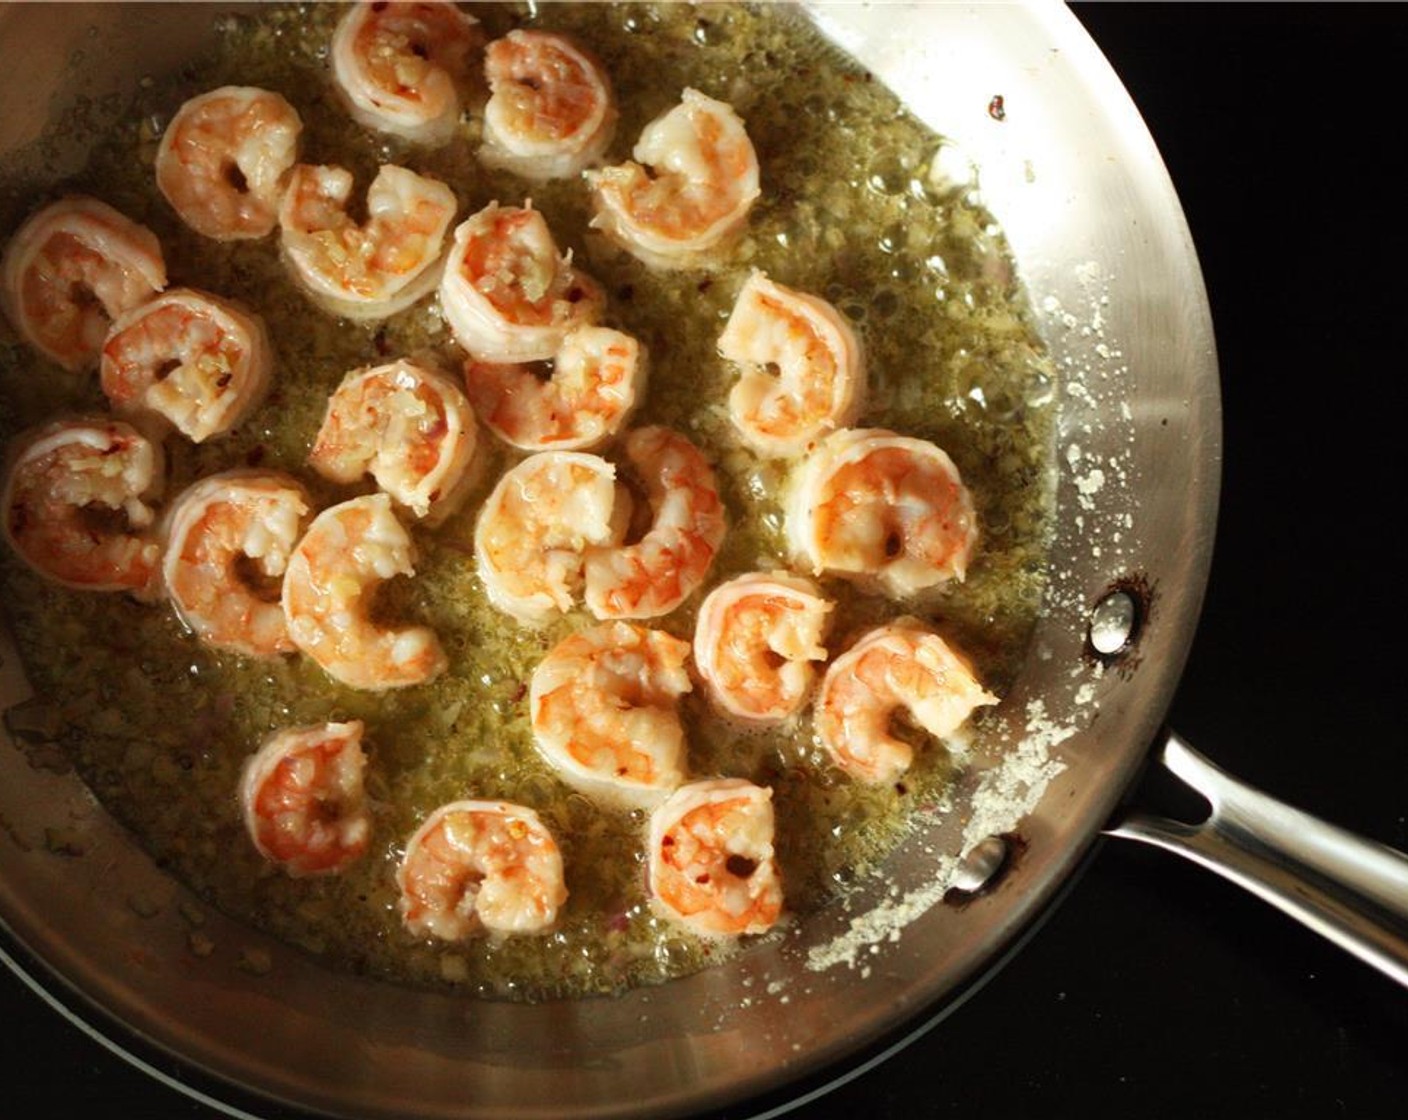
(1112, 623)
(980, 867)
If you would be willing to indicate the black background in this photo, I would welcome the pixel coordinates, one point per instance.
(1155, 989)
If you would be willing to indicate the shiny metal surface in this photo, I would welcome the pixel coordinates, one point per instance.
(1099, 239)
(1345, 888)
(1112, 623)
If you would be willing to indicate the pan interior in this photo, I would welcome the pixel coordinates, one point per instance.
(1100, 243)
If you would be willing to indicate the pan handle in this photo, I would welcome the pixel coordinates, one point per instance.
(1351, 890)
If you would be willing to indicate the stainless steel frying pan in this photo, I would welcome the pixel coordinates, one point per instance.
(1101, 243)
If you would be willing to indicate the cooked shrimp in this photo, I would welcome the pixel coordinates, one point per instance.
(304, 805)
(654, 575)
(480, 867)
(375, 269)
(884, 510)
(507, 293)
(76, 507)
(533, 533)
(820, 370)
(197, 360)
(404, 68)
(604, 711)
(551, 113)
(224, 158)
(70, 270)
(598, 376)
(900, 665)
(228, 540)
(711, 858)
(755, 642)
(327, 597)
(409, 427)
(706, 182)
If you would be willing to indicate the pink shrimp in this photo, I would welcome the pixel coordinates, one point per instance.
(70, 270)
(303, 799)
(711, 860)
(507, 293)
(706, 182)
(552, 111)
(405, 68)
(654, 575)
(481, 866)
(900, 665)
(76, 505)
(886, 511)
(598, 375)
(197, 361)
(224, 159)
(604, 707)
(228, 541)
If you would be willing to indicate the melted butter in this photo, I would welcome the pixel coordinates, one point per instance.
(160, 727)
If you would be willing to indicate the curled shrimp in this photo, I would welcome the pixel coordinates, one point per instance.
(655, 574)
(70, 270)
(755, 641)
(507, 293)
(537, 526)
(228, 541)
(224, 158)
(410, 427)
(706, 181)
(900, 665)
(480, 867)
(551, 112)
(403, 68)
(374, 269)
(328, 589)
(303, 799)
(885, 510)
(200, 362)
(604, 711)
(75, 503)
(711, 861)
(820, 370)
(598, 375)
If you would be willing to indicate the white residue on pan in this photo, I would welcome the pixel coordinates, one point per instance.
(1005, 794)
(1094, 493)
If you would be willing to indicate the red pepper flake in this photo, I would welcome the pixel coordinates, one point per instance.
(997, 110)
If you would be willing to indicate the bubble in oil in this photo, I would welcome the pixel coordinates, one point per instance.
(536, 790)
(893, 239)
(887, 176)
(950, 172)
(1040, 389)
(885, 304)
(707, 33)
(580, 811)
(904, 269)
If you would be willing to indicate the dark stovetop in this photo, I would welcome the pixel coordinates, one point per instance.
(1156, 989)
